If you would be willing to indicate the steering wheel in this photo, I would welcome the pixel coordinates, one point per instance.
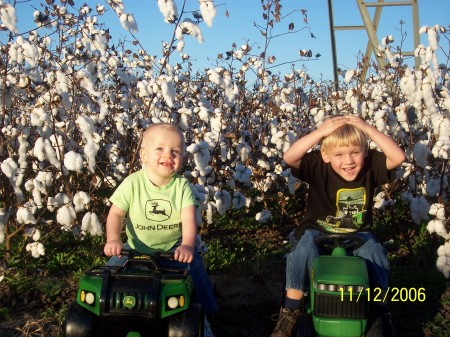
(343, 240)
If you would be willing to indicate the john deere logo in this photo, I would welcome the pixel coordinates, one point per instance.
(129, 301)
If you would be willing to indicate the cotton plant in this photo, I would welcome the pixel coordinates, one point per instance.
(11, 170)
(239, 200)
(91, 224)
(243, 150)
(419, 209)
(73, 161)
(36, 249)
(8, 16)
(381, 201)
(243, 174)
(4, 217)
(25, 215)
(66, 217)
(222, 201)
(263, 216)
(222, 78)
(187, 27)
(291, 181)
(443, 260)
(202, 156)
(91, 139)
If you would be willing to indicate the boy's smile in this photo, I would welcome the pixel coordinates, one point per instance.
(346, 161)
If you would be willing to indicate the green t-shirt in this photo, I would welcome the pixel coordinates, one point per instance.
(153, 213)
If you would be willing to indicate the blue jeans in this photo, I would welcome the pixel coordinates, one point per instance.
(299, 261)
(204, 290)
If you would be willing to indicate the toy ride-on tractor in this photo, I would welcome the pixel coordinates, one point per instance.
(337, 304)
(145, 296)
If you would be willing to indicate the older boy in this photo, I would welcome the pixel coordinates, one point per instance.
(160, 208)
(342, 177)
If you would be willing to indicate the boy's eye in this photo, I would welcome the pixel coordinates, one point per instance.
(176, 151)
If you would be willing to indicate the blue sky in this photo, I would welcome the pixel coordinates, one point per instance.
(238, 27)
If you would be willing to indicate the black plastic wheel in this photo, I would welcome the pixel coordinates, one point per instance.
(375, 327)
(79, 322)
(305, 327)
(188, 323)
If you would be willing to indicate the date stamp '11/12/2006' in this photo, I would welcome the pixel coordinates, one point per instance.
(393, 294)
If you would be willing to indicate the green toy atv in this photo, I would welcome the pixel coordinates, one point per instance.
(337, 304)
(143, 297)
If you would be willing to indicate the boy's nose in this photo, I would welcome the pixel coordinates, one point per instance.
(349, 159)
(167, 153)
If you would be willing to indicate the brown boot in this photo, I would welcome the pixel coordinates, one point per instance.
(286, 321)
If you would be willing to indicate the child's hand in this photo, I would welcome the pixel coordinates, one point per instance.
(113, 248)
(184, 253)
(330, 125)
(358, 122)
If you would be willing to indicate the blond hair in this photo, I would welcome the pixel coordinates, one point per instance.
(345, 135)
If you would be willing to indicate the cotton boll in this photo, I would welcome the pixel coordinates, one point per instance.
(36, 249)
(25, 216)
(420, 153)
(81, 199)
(238, 200)
(223, 201)
(441, 251)
(447, 248)
(208, 11)
(34, 233)
(431, 226)
(66, 216)
(51, 154)
(191, 28)
(90, 223)
(168, 8)
(244, 151)
(73, 161)
(209, 214)
(438, 210)
(202, 157)
(419, 209)
(192, 148)
(438, 227)
(433, 187)
(263, 164)
(442, 264)
(128, 23)
(264, 216)
(168, 91)
(242, 174)
(9, 17)
(349, 75)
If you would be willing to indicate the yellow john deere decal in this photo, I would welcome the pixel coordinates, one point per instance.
(129, 301)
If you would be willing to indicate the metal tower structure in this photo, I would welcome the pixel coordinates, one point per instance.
(370, 25)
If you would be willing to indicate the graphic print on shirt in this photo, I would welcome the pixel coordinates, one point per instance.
(349, 211)
(158, 210)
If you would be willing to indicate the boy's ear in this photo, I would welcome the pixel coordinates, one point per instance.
(142, 155)
(325, 157)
